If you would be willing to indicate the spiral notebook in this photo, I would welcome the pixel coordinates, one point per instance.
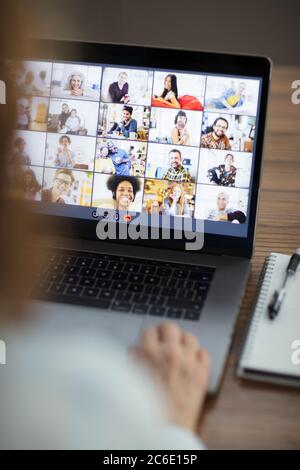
(271, 351)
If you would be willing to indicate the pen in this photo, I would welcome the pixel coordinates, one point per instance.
(278, 296)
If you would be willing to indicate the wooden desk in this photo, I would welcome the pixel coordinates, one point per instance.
(244, 414)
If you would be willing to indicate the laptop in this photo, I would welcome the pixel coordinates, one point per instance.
(147, 162)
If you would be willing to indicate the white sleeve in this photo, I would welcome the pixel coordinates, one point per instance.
(174, 437)
(80, 391)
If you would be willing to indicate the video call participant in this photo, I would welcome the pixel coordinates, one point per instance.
(224, 174)
(72, 124)
(64, 157)
(23, 116)
(124, 189)
(20, 157)
(231, 98)
(30, 186)
(65, 113)
(28, 87)
(176, 203)
(120, 159)
(169, 95)
(217, 139)
(103, 163)
(180, 135)
(224, 213)
(62, 182)
(127, 125)
(177, 172)
(118, 91)
(75, 84)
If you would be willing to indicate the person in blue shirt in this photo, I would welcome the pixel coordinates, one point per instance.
(120, 159)
(127, 125)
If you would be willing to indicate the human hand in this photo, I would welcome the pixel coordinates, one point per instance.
(179, 366)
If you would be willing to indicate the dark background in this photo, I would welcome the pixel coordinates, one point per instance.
(262, 27)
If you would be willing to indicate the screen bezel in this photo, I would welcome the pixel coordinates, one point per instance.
(194, 61)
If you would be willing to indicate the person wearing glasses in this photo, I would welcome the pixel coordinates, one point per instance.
(63, 180)
(217, 138)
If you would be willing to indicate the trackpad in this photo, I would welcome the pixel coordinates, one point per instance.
(124, 328)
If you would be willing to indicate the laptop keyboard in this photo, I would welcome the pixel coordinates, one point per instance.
(124, 284)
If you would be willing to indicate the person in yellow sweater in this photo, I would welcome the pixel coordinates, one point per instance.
(103, 163)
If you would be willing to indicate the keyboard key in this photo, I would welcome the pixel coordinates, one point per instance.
(149, 289)
(180, 274)
(185, 294)
(147, 270)
(140, 308)
(136, 278)
(201, 287)
(188, 304)
(163, 272)
(70, 260)
(71, 270)
(174, 313)
(154, 280)
(125, 296)
(107, 294)
(74, 290)
(115, 266)
(99, 263)
(119, 285)
(42, 286)
(103, 274)
(192, 315)
(168, 292)
(135, 287)
(54, 277)
(59, 288)
(103, 283)
(85, 262)
(140, 298)
(87, 272)
(87, 281)
(201, 276)
(156, 300)
(132, 268)
(157, 311)
(71, 279)
(121, 306)
(90, 292)
(119, 276)
(56, 268)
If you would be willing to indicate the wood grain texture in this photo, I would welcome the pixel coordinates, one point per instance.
(244, 414)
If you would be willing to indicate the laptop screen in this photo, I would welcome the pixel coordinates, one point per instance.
(132, 140)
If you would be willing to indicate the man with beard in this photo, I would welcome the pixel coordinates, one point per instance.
(217, 139)
(177, 172)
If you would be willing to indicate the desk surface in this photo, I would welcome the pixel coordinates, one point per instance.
(244, 414)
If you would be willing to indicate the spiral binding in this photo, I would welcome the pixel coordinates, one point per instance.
(258, 307)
